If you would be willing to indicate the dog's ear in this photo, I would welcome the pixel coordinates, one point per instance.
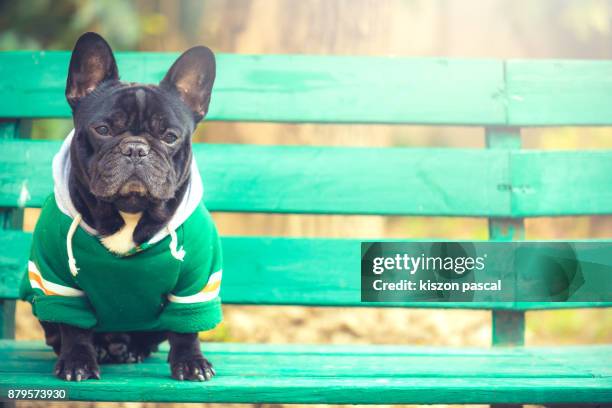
(91, 64)
(192, 75)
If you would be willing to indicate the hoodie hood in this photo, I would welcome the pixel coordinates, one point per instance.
(61, 173)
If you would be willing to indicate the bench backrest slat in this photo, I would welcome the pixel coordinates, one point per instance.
(549, 93)
(314, 272)
(305, 179)
(333, 89)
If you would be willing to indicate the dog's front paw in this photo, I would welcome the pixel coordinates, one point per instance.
(195, 368)
(77, 364)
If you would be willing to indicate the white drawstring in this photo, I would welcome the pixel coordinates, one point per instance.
(71, 261)
(176, 253)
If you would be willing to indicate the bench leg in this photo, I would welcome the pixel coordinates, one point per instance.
(508, 328)
(9, 219)
(7, 319)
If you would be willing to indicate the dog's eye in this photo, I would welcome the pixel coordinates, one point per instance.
(170, 138)
(102, 130)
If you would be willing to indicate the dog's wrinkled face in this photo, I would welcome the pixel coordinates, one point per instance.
(132, 146)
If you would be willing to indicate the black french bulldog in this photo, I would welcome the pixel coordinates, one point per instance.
(150, 124)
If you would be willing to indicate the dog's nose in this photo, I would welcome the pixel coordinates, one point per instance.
(134, 149)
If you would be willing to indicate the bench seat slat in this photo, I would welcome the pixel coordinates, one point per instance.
(337, 374)
(284, 271)
(293, 364)
(334, 180)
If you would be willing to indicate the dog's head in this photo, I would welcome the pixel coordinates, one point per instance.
(132, 146)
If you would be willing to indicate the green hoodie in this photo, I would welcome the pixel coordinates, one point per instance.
(157, 286)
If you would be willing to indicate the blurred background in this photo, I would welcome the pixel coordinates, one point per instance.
(416, 28)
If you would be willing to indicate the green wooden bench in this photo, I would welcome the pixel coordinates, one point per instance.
(502, 183)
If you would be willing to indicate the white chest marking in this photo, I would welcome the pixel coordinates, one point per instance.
(122, 241)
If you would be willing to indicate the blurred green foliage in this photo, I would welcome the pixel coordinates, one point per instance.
(55, 24)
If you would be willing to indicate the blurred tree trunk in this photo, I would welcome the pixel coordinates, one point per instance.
(311, 27)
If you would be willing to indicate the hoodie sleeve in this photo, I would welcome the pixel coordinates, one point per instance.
(194, 304)
(47, 283)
